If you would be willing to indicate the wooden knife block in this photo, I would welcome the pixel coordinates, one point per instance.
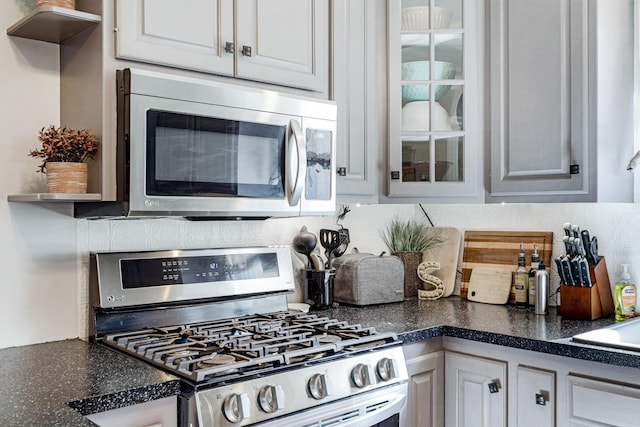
(577, 302)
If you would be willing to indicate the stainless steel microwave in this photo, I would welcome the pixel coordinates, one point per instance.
(198, 148)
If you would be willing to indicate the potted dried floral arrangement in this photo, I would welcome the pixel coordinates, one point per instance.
(69, 4)
(64, 152)
(407, 239)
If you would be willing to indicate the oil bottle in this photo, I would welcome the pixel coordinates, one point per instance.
(521, 280)
(625, 295)
(535, 262)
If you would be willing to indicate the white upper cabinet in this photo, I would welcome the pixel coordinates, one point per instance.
(435, 110)
(358, 34)
(166, 32)
(540, 98)
(284, 42)
(560, 103)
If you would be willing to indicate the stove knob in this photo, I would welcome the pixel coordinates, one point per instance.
(387, 369)
(236, 407)
(271, 398)
(319, 386)
(363, 375)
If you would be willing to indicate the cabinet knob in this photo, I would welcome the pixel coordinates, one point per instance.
(230, 47)
(246, 50)
(493, 387)
(342, 171)
(541, 399)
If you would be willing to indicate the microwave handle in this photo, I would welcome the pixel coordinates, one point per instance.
(297, 163)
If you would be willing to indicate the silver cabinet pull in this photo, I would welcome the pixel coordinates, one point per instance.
(541, 399)
(230, 47)
(246, 50)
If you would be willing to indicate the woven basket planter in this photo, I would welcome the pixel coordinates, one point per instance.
(411, 261)
(70, 4)
(65, 177)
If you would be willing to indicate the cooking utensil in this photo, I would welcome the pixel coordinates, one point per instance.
(330, 240)
(344, 243)
(304, 243)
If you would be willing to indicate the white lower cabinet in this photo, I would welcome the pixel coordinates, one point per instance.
(425, 405)
(539, 389)
(535, 397)
(156, 413)
(475, 391)
(598, 402)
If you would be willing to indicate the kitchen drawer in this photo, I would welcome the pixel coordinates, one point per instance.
(598, 402)
(156, 413)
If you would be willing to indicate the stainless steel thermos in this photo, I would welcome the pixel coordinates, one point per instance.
(542, 289)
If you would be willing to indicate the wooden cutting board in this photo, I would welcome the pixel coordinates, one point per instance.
(489, 285)
(448, 255)
(499, 250)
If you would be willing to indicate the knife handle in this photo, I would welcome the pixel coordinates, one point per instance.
(584, 271)
(563, 280)
(566, 269)
(575, 269)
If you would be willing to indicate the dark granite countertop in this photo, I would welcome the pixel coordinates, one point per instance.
(55, 384)
(41, 383)
(507, 325)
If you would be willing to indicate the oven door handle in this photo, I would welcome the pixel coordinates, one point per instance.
(296, 163)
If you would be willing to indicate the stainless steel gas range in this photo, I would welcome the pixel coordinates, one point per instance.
(218, 319)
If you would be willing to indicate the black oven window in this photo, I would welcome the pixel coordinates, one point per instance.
(190, 155)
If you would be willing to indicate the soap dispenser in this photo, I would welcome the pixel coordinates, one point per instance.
(624, 295)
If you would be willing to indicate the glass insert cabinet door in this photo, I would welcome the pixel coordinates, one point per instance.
(433, 116)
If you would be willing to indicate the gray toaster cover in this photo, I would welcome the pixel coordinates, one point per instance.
(365, 279)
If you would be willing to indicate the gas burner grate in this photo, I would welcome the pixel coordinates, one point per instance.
(247, 345)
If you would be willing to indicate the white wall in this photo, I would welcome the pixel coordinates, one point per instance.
(38, 288)
(616, 225)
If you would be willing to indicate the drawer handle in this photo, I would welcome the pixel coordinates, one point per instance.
(541, 399)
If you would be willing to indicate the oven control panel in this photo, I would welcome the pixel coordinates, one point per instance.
(127, 279)
(272, 396)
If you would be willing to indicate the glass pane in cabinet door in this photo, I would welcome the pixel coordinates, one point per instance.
(447, 110)
(415, 160)
(447, 14)
(415, 108)
(415, 15)
(449, 153)
(415, 47)
(448, 56)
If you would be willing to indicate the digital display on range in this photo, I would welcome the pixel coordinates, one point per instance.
(150, 272)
